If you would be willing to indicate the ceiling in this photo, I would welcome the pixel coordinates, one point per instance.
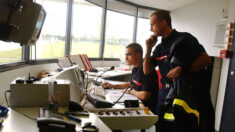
(163, 4)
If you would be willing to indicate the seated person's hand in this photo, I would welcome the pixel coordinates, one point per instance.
(127, 92)
(123, 90)
(106, 85)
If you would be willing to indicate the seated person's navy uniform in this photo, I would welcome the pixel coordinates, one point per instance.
(148, 83)
(185, 53)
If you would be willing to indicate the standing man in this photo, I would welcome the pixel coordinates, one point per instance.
(179, 55)
(144, 87)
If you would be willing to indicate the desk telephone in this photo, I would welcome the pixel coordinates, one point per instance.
(48, 122)
(52, 124)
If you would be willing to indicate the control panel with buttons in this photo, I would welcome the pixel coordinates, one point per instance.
(126, 118)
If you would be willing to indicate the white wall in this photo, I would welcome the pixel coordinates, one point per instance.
(221, 93)
(200, 18)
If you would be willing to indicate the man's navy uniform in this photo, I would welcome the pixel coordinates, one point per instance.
(183, 55)
(147, 83)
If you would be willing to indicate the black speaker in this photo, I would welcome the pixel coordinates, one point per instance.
(131, 103)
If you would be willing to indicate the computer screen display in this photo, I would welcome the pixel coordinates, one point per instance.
(39, 24)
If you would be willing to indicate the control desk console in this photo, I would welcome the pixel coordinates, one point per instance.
(126, 118)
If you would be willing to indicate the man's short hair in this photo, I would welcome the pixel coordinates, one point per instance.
(163, 15)
(136, 48)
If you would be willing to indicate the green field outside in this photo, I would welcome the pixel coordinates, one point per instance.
(92, 50)
(53, 50)
(57, 49)
(10, 55)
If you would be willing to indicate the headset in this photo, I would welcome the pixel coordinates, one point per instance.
(3, 111)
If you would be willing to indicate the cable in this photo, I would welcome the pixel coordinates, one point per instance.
(87, 86)
(111, 68)
(8, 91)
(87, 82)
(128, 86)
(122, 95)
(24, 114)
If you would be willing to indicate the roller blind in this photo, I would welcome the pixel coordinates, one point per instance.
(121, 7)
(145, 13)
(98, 2)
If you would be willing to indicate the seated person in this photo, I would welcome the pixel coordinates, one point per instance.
(144, 87)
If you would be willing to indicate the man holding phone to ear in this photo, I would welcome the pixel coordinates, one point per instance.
(144, 87)
(186, 58)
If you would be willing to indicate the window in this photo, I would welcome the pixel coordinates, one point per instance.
(86, 28)
(51, 43)
(119, 33)
(143, 33)
(10, 52)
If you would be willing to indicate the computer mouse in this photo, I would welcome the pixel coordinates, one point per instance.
(73, 106)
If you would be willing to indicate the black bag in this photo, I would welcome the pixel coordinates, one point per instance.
(181, 104)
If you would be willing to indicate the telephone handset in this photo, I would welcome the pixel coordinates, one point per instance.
(154, 38)
(47, 124)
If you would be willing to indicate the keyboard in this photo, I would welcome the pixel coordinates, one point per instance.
(99, 91)
(96, 89)
(98, 101)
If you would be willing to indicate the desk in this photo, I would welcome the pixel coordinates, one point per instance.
(17, 122)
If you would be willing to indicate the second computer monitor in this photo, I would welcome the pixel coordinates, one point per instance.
(73, 74)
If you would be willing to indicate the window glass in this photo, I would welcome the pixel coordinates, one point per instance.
(10, 52)
(86, 28)
(51, 43)
(143, 33)
(119, 33)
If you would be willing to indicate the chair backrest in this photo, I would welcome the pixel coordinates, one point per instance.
(82, 60)
(63, 62)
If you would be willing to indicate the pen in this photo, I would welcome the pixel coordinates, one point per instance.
(71, 117)
(58, 98)
(53, 99)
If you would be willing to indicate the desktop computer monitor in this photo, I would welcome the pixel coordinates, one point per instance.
(38, 26)
(73, 74)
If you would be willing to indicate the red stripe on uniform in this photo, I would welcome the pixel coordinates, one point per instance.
(137, 82)
(160, 58)
(159, 79)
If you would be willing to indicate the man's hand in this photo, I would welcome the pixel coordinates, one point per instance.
(174, 73)
(202, 61)
(127, 92)
(151, 42)
(106, 85)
